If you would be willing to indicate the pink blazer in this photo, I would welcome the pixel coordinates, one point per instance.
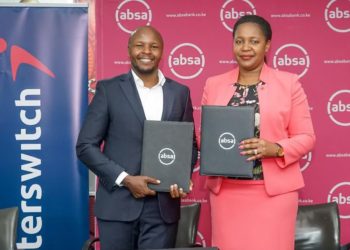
(284, 119)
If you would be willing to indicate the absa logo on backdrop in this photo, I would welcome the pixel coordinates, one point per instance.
(337, 15)
(305, 161)
(340, 194)
(338, 107)
(132, 14)
(233, 10)
(293, 58)
(186, 61)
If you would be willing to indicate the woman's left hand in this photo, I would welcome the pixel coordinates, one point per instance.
(257, 148)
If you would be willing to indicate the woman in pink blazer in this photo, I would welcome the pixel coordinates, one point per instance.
(260, 213)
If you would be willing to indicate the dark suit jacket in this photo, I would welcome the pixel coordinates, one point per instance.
(116, 117)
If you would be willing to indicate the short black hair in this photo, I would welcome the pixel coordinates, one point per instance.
(263, 24)
(144, 28)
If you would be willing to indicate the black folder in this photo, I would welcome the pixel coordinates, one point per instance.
(167, 153)
(223, 128)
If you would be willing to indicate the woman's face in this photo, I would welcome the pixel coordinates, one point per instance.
(250, 46)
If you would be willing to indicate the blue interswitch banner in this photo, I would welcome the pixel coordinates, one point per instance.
(43, 98)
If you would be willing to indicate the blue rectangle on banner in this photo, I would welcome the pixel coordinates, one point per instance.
(43, 98)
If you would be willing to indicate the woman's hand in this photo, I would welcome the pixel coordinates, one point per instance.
(257, 148)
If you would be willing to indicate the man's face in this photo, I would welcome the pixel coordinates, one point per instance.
(145, 51)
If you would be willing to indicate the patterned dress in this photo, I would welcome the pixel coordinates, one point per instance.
(248, 95)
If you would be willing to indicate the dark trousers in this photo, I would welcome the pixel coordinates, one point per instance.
(149, 231)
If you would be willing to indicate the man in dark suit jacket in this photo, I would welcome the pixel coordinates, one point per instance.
(130, 215)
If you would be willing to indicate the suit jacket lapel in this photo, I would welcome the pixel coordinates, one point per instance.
(229, 90)
(168, 100)
(130, 91)
(226, 89)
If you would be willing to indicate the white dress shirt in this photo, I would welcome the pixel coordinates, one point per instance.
(152, 103)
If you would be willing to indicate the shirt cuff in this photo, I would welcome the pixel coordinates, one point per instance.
(121, 177)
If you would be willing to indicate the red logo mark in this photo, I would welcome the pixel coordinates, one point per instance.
(20, 56)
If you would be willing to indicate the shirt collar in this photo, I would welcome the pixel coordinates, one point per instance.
(264, 74)
(139, 82)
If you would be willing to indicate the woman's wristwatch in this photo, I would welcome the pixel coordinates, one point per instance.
(279, 151)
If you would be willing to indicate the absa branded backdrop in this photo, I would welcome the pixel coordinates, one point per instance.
(310, 38)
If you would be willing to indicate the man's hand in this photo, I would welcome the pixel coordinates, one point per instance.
(138, 185)
(176, 192)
